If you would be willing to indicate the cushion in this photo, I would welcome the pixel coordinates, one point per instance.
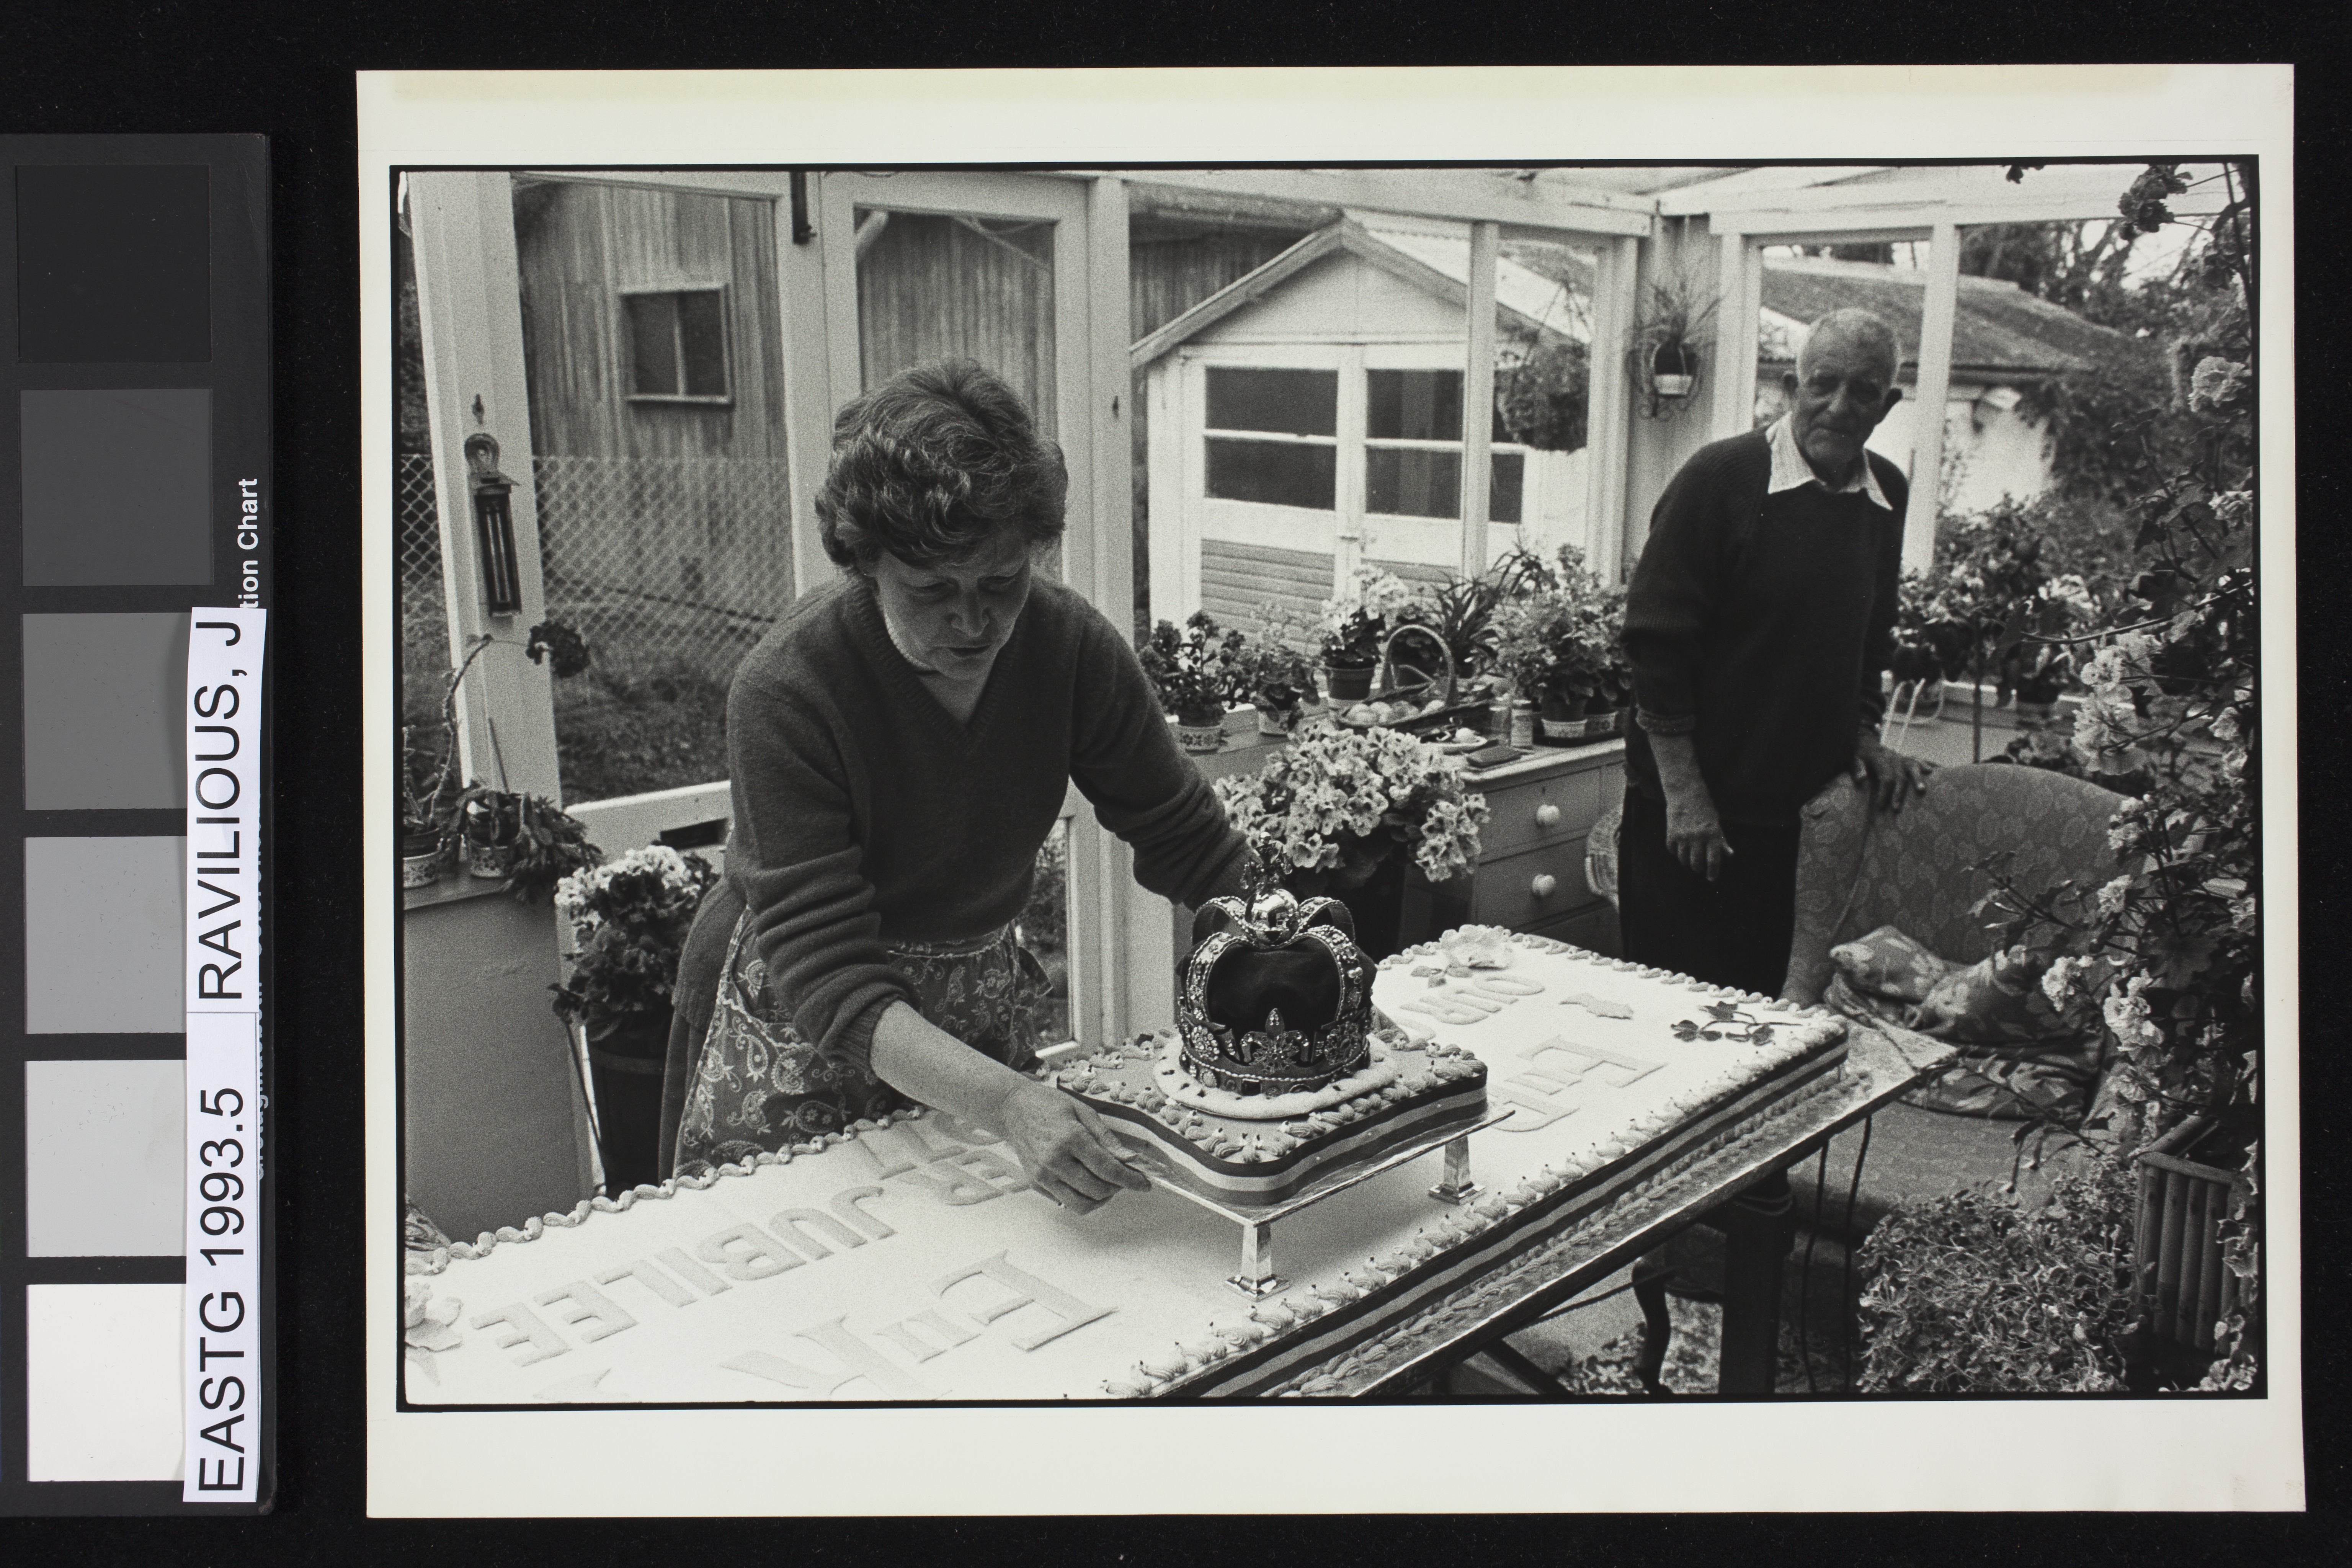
(1997, 1000)
(1889, 964)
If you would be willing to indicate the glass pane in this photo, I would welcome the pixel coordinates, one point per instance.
(1543, 333)
(1504, 490)
(1414, 406)
(1404, 482)
(653, 343)
(702, 329)
(1045, 931)
(931, 286)
(665, 530)
(936, 287)
(1296, 402)
(1277, 473)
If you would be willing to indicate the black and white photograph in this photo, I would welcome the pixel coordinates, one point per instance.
(1613, 799)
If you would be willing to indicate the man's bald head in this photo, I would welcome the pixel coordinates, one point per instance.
(1858, 331)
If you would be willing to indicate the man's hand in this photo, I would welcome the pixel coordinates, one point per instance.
(1891, 777)
(1695, 833)
(1063, 1147)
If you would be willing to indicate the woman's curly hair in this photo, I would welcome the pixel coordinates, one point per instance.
(931, 464)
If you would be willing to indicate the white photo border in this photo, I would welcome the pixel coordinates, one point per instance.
(2087, 1453)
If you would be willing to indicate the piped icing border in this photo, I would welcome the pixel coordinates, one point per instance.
(1221, 1362)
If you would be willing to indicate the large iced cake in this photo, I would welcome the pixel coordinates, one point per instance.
(1280, 1076)
(909, 1259)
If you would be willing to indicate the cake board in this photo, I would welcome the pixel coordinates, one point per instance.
(1256, 1277)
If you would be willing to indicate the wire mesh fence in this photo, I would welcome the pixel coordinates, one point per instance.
(670, 568)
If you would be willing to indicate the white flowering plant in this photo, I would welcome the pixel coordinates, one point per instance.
(2163, 957)
(629, 919)
(1325, 813)
(1356, 622)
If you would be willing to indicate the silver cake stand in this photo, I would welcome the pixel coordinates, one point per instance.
(1257, 1277)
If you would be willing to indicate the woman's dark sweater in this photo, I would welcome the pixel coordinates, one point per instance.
(1761, 624)
(866, 814)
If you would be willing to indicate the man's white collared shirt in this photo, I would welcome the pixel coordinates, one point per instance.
(1791, 470)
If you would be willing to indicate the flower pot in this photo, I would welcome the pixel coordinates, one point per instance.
(2181, 1279)
(493, 860)
(1200, 731)
(626, 1054)
(2035, 715)
(1673, 384)
(1348, 683)
(1276, 721)
(420, 861)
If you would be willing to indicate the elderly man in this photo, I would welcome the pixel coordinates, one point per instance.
(1759, 621)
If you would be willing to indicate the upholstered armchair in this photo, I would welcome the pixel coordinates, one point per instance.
(1859, 868)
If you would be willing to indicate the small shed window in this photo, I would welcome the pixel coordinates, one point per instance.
(1412, 448)
(677, 343)
(1273, 437)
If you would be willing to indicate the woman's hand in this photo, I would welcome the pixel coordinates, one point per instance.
(1063, 1146)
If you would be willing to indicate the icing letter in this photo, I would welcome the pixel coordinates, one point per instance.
(784, 1222)
(592, 1307)
(1505, 986)
(846, 1202)
(1456, 1009)
(954, 1186)
(643, 1272)
(763, 1258)
(1594, 1058)
(693, 1273)
(1547, 1111)
(983, 1163)
(1030, 1291)
(887, 1163)
(951, 1334)
(912, 1131)
(969, 1132)
(526, 1325)
(858, 1359)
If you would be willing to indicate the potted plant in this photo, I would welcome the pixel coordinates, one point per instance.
(1195, 673)
(423, 849)
(432, 808)
(1351, 814)
(1277, 680)
(1669, 345)
(526, 840)
(1559, 646)
(423, 835)
(628, 919)
(1356, 626)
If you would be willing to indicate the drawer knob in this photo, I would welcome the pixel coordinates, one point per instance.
(1545, 885)
(1547, 816)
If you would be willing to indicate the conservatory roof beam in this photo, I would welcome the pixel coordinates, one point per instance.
(1708, 195)
(1919, 204)
(1470, 195)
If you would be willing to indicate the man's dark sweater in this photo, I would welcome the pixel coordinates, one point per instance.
(1760, 624)
(866, 814)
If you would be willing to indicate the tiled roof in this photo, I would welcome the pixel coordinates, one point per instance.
(1999, 328)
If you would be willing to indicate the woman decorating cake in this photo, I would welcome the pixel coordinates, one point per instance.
(899, 749)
